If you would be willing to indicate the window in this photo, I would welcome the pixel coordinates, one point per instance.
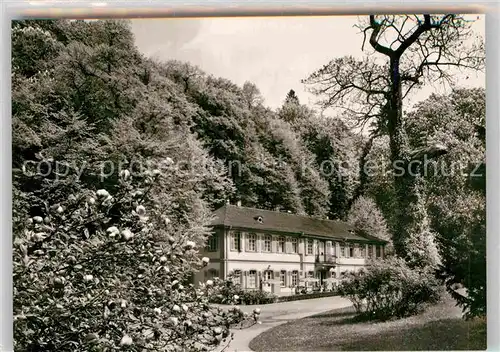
(378, 253)
(283, 278)
(295, 245)
(267, 243)
(235, 241)
(295, 277)
(236, 277)
(213, 243)
(362, 251)
(342, 251)
(351, 251)
(310, 244)
(268, 275)
(281, 245)
(212, 274)
(252, 279)
(252, 242)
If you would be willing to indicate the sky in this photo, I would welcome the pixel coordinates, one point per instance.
(275, 53)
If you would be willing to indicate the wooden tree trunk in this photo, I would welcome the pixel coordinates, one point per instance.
(404, 180)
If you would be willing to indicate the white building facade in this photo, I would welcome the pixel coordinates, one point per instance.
(283, 253)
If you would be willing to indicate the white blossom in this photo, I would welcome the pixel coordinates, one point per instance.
(140, 210)
(209, 283)
(38, 219)
(127, 234)
(174, 320)
(102, 193)
(113, 230)
(169, 161)
(126, 340)
(88, 278)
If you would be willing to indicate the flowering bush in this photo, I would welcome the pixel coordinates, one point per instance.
(228, 292)
(389, 289)
(101, 270)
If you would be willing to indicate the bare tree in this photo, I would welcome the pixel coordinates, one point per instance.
(413, 50)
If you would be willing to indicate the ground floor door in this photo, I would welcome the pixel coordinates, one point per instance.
(322, 277)
(268, 276)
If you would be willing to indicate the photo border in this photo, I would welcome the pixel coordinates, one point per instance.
(158, 8)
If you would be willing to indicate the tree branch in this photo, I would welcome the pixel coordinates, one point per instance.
(373, 38)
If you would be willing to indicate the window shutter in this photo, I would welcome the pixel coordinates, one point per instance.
(276, 275)
(328, 248)
(288, 246)
(246, 246)
(301, 246)
(274, 244)
(315, 247)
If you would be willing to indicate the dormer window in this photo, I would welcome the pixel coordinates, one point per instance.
(259, 219)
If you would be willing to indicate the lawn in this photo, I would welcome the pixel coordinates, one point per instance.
(440, 327)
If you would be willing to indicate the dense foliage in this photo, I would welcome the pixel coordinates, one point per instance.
(456, 191)
(119, 160)
(390, 288)
(228, 292)
(367, 219)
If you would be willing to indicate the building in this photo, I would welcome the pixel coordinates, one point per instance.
(281, 252)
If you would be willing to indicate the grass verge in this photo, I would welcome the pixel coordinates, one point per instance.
(440, 327)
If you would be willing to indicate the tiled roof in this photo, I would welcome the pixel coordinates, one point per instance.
(275, 221)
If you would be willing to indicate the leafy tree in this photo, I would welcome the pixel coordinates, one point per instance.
(101, 211)
(291, 98)
(417, 49)
(367, 219)
(87, 279)
(252, 95)
(457, 205)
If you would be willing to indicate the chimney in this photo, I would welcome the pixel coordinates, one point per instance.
(239, 203)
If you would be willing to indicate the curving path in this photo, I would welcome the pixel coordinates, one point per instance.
(280, 313)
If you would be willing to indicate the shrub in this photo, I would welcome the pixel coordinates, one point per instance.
(258, 297)
(390, 288)
(97, 271)
(226, 291)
